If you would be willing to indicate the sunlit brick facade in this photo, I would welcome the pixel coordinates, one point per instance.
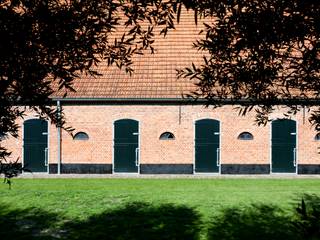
(96, 155)
(152, 99)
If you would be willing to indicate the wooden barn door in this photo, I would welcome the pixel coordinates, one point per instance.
(126, 146)
(207, 146)
(283, 145)
(35, 145)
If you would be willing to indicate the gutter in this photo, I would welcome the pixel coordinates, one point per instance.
(125, 99)
(129, 101)
(191, 101)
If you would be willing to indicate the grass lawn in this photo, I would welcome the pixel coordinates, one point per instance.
(141, 208)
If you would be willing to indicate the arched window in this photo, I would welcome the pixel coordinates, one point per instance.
(81, 136)
(167, 136)
(245, 136)
(317, 137)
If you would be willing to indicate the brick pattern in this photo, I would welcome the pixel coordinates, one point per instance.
(97, 121)
(154, 74)
(154, 77)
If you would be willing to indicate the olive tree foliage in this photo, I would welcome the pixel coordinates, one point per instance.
(260, 54)
(46, 44)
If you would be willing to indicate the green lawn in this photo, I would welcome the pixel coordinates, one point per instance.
(149, 208)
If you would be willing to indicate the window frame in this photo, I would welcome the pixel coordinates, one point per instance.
(86, 136)
(170, 136)
(246, 133)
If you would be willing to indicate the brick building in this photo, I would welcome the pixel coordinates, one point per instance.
(142, 124)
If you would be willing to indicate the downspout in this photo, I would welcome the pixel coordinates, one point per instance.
(59, 137)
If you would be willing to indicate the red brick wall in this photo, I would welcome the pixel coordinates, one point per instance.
(97, 122)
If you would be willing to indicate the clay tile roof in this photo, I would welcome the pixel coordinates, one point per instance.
(154, 75)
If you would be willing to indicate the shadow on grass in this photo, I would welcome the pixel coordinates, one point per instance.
(133, 221)
(261, 222)
(140, 221)
(307, 217)
(27, 224)
(166, 222)
(265, 222)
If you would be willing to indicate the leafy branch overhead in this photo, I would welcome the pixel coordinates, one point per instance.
(45, 45)
(259, 53)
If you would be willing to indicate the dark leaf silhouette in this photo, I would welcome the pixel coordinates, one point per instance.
(45, 45)
(261, 53)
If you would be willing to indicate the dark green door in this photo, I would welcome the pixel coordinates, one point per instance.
(207, 145)
(35, 145)
(283, 144)
(126, 146)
